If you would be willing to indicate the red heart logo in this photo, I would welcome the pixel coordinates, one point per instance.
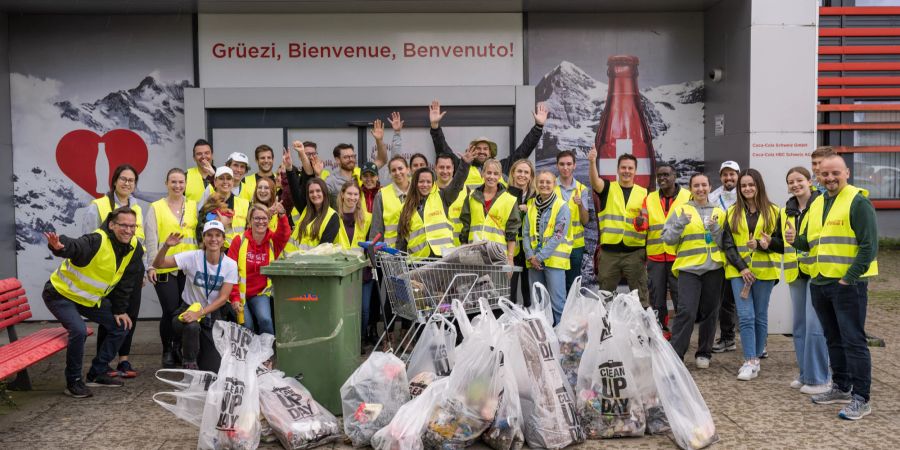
(76, 155)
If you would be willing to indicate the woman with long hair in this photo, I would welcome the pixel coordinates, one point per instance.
(122, 185)
(417, 161)
(547, 245)
(491, 213)
(254, 249)
(521, 185)
(355, 222)
(212, 276)
(810, 347)
(265, 195)
(752, 268)
(318, 222)
(423, 228)
(171, 214)
(695, 229)
(231, 210)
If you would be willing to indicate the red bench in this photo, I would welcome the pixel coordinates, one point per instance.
(19, 354)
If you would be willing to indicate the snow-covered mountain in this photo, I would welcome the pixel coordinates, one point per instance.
(575, 99)
(43, 203)
(153, 109)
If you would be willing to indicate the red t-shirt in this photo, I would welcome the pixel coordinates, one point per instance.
(258, 256)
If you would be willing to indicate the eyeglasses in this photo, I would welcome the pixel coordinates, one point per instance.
(260, 219)
(127, 180)
(126, 226)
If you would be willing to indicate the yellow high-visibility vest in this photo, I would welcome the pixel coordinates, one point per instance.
(88, 285)
(242, 269)
(656, 219)
(455, 211)
(576, 227)
(360, 231)
(616, 220)
(104, 209)
(559, 258)
(764, 265)
(248, 187)
(431, 233)
(390, 213)
(474, 179)
(692, 249)
(833, 244)
(308, 241)
(794, 261)
(491, 227)
(167, 223)
(194, 185)
(239, 221)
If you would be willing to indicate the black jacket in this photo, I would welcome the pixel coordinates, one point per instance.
(81, 251)
(297, 181)
(523, 151)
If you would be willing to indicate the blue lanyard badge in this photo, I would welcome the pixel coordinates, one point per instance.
(206, 275)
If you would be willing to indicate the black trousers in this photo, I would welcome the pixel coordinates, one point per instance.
(168, 289)
(661, 280)
(522, 279)
(727, 313)
(698, 302)
(134, 308)
(196, 340)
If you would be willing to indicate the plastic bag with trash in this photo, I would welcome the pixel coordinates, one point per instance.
(608, 398)
(294, 416)
(372, 396)
(404, 432)
(692, 424)
(190, 396)
(547, 403)
(505, 433)
(434, 354)
(231, 413)
(582, 304)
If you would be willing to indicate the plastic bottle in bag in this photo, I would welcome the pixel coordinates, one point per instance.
(505, 432)
(582, 305)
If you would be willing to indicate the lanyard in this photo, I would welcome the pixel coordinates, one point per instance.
(206, 274)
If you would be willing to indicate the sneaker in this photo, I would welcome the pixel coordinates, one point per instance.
(857, 409)
(112, 373)
(724, 345)
(77, 389)
(815, 389)
(168, 359)
(103, 380)
(764, 354)
(834, 395)
(748, 372)
(702, 362)
(796, 384)
(125, 370)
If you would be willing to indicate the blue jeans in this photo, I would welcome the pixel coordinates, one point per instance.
(753, 315)
(809, 339)
(576, 258)
(842, 312)
(258, 310)
(367, 287)
(555, 281)
(69, 315)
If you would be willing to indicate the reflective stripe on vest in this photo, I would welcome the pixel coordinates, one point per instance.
(656, 220)
(433, 233)
(89, 284)
(167, 223)
(832, 244)
(616, 221)
(194, 185)
(360, 232)
(764, 265)
(692, 249)
(559, 258)
(455, 211)
(493, 226)
(309, 241)
(390, 213)
(576, 228)
(104, 209)
(242, 269)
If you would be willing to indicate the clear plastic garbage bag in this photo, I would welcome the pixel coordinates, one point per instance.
(434, 354)
(297, 420)
(505, 433)
(190, 396)
(582, 305)
(404, 432)
(372, 396)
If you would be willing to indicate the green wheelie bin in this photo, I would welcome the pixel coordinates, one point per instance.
(317, 320)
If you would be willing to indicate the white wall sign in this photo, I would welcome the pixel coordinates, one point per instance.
(285, 50)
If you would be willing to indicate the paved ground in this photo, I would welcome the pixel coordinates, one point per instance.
(763, 413)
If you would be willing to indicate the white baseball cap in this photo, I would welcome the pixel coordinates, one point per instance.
(222, 170)
(238, 157)
(213, 225)
(730, 165)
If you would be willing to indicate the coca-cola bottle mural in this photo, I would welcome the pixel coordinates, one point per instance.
(623, 127)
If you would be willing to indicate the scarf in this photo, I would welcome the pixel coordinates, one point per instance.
(543, 205)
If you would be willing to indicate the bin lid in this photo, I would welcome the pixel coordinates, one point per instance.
(337, 265)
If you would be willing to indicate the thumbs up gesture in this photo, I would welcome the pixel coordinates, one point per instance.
(789, 232)
(764, 241)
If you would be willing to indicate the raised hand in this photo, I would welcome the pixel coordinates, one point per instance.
(318, 166)
(592, 155)
(53, 240)
(298, 146)
(173, 239)
(207, 169)
(396, 123)
(286, 160)
(540, 114)
(276, 208)
(435, 114)
(377, 130)
(469, 155)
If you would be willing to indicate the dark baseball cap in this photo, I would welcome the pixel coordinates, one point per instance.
(369, 166)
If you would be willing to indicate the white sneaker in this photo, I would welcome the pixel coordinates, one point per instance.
(796, 384)
(813, 389)
(748, 372)
(702, 362)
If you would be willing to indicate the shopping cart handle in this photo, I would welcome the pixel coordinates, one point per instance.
(378, 246)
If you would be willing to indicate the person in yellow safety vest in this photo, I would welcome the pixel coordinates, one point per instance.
(622, 252)
(265, 196)
(752, 268)
(171, 214)
(660, 257)
(841, 236)
(389, 201)
(265, 162)
(239, 164)
(569, 189)
(235, 218)
(484, 147)
(254, 249)
(201, 175)
(443, 169)
(521, 185)
(96, 280)
(346, 158)
(809, 339)
(545, 234)
(491, 213)
(318, 222)
(355, 222)
(693, 230)
(122, 185)
(423, 227)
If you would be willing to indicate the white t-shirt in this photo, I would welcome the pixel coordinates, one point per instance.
(191, 263)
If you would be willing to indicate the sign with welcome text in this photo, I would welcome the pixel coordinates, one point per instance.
(328, 50)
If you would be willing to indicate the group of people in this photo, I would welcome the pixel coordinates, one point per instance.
(716, 254)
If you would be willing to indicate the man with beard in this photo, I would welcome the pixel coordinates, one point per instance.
(203, 174)
(345, 157)
(265, 161)
(724, 197)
